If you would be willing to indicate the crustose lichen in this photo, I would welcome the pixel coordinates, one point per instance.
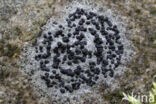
(79, 53)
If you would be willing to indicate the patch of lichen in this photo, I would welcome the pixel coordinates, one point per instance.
(140, 14)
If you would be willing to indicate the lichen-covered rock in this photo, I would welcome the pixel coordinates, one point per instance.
(78, 51)
(21, 22)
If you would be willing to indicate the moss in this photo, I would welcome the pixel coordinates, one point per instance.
(154, 45)
(4, 73)
(136, 42)
(138, 11)
(116, 95)
(16, 51)
(17, 30)
(37, 25)
(153, 11)
(152, 38)
(10, 50)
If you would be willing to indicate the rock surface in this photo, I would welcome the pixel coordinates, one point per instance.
(21, 22)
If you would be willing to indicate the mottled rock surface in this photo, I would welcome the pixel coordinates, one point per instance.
(21, 22)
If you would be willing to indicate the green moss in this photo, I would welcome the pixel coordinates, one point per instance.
(4, 73)
(153, 11)
(37, 25)
(116, 95)
(136, 42)
(138, 11)
(17, 31)
(152, 38)
(10, 50)
(154, 45)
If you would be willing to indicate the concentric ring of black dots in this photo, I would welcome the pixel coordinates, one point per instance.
(64, 64)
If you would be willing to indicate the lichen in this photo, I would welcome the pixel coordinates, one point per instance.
(25, 14)
(32, 67)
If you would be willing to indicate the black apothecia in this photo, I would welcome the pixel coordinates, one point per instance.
(79, 53)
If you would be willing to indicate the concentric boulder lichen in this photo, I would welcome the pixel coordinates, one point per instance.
(77, 51)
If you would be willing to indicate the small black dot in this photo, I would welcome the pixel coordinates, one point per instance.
(54, 71)
(69, 63)
(65, 39)
(62, 90)
(49, 33)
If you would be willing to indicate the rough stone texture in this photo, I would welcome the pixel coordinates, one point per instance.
(20, 22)
(107, 72)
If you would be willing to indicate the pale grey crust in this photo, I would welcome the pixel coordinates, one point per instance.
(28, 56)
